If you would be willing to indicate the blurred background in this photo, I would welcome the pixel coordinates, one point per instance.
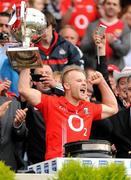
(7, 4)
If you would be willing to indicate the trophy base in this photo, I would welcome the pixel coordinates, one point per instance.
(24, 57)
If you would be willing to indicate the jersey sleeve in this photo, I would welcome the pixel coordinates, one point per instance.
(96, 111)
(44, 101)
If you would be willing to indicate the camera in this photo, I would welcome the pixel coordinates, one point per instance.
(4, 36)
(36, 77)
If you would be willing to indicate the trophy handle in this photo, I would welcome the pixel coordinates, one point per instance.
(25, 32)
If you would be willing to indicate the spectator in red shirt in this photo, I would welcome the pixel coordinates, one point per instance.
(117, 35)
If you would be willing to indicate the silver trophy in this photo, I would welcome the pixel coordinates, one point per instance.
(27, 26)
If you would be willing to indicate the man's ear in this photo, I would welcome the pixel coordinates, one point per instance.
(66, 86)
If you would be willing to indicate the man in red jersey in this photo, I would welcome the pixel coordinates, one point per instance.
(69, 118)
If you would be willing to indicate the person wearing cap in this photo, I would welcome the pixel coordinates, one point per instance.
(111, 68)
(121, 127)
(121, 81)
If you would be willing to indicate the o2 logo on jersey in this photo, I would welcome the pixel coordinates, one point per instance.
(81, 21)
(78, 129)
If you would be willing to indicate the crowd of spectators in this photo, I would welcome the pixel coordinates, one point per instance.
(80, 94)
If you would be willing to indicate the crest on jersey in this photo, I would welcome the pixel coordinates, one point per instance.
(62, 51)
(86, 111)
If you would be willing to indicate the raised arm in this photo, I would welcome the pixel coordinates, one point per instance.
(109, 103)
(87, 44)
(100, 42)
(33, 96)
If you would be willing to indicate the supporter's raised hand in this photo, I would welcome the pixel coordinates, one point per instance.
(100, 42)
(20, 116)
(4, 107)
(95, 78)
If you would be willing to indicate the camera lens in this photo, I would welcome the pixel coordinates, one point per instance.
(4, 36)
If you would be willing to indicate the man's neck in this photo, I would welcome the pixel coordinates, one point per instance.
(47, 42)
(72, 100)
(109, 21)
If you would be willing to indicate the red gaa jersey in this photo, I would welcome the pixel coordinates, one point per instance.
(84, 12)
(65, 122)
(6, 5)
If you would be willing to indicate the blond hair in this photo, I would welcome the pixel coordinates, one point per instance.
(70, 68)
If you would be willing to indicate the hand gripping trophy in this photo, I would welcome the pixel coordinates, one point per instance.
(27, 26)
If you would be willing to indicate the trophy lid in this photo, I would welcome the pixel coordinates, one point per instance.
(35, 17)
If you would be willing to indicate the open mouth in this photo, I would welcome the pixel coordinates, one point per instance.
(83, 90)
